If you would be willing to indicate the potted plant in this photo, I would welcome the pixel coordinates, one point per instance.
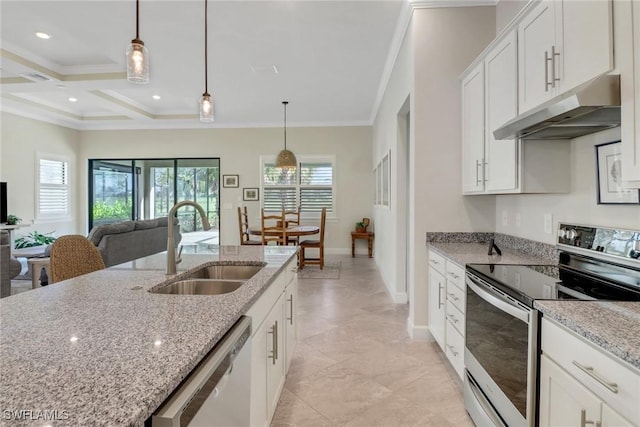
(361, 227)
(34, 239)
(13, 220)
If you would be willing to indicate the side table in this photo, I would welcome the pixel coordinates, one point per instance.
(368, 235)
(35, 267)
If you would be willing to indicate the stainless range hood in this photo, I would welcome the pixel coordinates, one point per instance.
(589, 108)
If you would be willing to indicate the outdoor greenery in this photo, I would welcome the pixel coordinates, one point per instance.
(111, 210)
(34, 239)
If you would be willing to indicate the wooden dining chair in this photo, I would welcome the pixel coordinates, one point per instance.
(314, 244)
(243, 226)
(274, 228)
(73, 255)
(292, 218)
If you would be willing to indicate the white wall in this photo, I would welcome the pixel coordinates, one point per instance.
(21, 139)
(239, 151)
(506, 10)
(580, 206)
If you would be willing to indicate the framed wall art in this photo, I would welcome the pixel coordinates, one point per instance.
(250, 194)
(610, 187)
(230, 181)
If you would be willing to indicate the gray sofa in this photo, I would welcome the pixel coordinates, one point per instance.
(125, 241)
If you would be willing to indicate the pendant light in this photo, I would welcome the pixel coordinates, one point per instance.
(206, 103)
(286, 159)
(137, 56)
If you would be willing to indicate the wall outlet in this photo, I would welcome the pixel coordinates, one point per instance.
(505, 218)
(548, 223)
(518, 220)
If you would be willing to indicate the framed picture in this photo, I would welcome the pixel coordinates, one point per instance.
(230, 180)
(386, 180)
(609, 178)
(250, 194)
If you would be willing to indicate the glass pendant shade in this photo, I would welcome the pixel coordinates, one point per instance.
(206, 108)
(286, 159)
(137, 62)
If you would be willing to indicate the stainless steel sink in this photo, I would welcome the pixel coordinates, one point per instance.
(226, 272)
(200, 287)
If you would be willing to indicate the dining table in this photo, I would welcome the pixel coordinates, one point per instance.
(292, 231)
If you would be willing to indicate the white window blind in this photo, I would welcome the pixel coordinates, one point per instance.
(310, 186)
(53, 189)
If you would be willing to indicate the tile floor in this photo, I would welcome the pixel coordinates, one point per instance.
(355, 365)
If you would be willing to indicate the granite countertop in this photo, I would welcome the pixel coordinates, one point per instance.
(477, 253)
(101, 350)
(612, 325)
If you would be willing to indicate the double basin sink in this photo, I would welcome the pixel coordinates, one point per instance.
(211, 280)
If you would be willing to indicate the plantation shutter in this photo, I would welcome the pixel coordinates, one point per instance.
(53, 195)
(279, 188)
(316, 186)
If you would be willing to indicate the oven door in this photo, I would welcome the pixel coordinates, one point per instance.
(500, 354)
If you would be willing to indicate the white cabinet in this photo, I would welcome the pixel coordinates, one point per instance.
(627, 48)
(582, 385)
(273, 340)
(437, 297)
(489, 99)
(562, 44)
(447, 308)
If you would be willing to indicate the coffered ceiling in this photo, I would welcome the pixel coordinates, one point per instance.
(327, 58)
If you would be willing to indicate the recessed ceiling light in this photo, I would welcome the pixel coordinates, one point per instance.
(72, 99)
(43, 35)
(156, 97)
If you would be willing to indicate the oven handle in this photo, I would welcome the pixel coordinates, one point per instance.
(498, 300)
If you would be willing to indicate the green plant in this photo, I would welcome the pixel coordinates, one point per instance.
(34, 239)
(113, 210)
(13, 220)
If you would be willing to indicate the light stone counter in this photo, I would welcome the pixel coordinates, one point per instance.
(614, 326)
(477, 253)
(101, 350)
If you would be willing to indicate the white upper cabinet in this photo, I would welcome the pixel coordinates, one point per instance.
(473, 130)
(562, 44)
(627, 47)
(501, 105)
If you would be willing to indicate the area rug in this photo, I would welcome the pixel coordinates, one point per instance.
(331, 270)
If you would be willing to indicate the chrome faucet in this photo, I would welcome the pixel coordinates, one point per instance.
(172, 259)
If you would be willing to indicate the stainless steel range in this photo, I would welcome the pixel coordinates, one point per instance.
(501, 347)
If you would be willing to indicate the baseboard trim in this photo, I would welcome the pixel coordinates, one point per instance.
(418, 333)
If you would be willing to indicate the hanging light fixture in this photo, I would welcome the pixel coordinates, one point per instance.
(137, 56)
(286, 159)
(206, 103)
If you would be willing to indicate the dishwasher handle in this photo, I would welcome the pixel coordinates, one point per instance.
(204, 379)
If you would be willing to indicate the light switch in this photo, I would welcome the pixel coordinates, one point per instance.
(548, 223)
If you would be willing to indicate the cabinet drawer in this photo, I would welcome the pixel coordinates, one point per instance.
(290, 270)
(456, 296)
(455, 317)
(437, 262)
(593, 368)
(455, 274)
(455, 349)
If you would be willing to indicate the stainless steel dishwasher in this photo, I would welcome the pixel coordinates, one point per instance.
(216, 393)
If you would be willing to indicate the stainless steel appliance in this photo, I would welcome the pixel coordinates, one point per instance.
(501, 348)
(216, 393)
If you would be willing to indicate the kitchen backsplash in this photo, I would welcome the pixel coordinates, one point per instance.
(529, 247)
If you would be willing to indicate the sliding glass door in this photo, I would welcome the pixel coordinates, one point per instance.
(113, 189)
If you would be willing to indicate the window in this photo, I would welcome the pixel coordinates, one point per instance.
(53, 194)
(310, 185)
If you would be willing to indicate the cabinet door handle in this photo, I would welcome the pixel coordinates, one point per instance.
(452, 274)
(478, 180)
(612, 387)
(547, 59)
(584, 421)
(274, 342)
(554, 54)
(453, 296)
(290, 319)
(434, 262)
(484, 171)
(440, 294)
(452, 318)
(453, 350)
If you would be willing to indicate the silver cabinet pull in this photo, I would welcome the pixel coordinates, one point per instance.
(274, 342)
(484, 171)
(612, 387)
(290, 319)
(478, 180)
(453, 296)
(554, 54)
(453, 350)
(452, 274)
(452, 318)
(547, 59)
(440, 294)
(584, 421)
(434, 262)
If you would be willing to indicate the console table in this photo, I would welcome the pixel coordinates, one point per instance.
(368, 235)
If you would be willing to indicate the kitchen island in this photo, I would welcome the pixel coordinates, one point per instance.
(100, 349)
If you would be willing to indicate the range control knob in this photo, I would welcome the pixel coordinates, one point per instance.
(571, 234)
(562, 233)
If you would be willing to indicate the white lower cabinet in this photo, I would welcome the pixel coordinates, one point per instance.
(273, 340)
(580, 385)
(447, 308)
